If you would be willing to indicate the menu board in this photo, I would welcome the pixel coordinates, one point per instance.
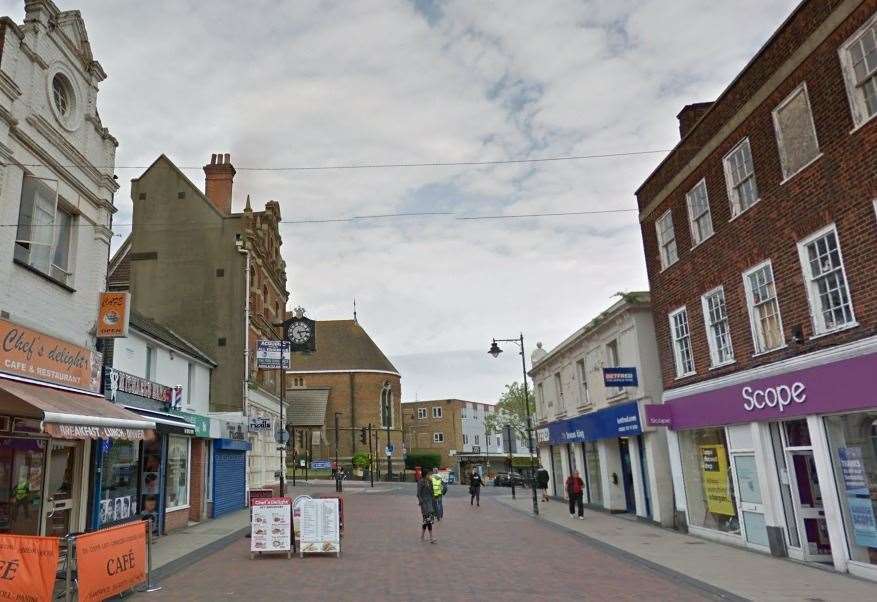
(320, 528)
(271, 525)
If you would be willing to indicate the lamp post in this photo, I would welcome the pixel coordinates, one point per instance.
(495, 351)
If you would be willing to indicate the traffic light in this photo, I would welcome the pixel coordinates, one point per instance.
(362, 435)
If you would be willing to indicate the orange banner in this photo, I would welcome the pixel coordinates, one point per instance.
(112, 315)
(27, 567)
(32, 354)
(111, 561)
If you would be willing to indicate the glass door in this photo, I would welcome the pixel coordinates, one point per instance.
(60, 503)
(750, 500)
(806, 492)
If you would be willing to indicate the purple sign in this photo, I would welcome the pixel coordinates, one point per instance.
(841, 386)
(658, 415)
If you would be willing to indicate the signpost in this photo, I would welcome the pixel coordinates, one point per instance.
(272, 355)
(321, 465)
(320, 527)
(271, 526)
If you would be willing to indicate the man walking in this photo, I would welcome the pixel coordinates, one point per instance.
(542, 479)
(439, 489)
(575, 488)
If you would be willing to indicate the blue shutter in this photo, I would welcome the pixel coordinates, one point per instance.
(229, 472)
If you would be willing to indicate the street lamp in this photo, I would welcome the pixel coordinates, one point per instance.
(495, 351)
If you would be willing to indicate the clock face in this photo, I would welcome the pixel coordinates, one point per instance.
(300, 333)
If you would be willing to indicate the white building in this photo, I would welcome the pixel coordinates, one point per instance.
(597, 430)
(483, 446)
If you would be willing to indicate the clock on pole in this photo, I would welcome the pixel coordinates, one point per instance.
(300, 332)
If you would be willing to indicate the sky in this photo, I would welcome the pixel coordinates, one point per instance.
(307, 83)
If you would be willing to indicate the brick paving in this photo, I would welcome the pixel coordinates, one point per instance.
(492, 552)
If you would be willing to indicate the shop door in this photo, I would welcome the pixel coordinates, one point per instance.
(627, 476)
(807, 497)
(750, 499)
(59, 508)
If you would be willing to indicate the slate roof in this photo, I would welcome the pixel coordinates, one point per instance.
(307, 407)
(342, 345)
(119, 276)
(169, 337)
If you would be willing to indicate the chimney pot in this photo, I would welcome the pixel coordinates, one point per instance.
(228, 158)
(213, 159)
(690, 115)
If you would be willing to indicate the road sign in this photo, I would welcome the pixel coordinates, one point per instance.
(391, 448)
(268, 355)
(321, 464)
(281, 436)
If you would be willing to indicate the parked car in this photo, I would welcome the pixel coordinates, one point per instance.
(505, 479)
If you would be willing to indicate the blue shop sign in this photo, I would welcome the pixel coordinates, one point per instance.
(617, 421)
(620, 377)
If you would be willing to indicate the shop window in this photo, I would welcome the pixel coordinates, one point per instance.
(120, 468)
(853, 447)
(45, 230)
(177, 492)
(21, 485)
(709, 484)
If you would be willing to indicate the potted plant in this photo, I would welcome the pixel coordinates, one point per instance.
(360, 462)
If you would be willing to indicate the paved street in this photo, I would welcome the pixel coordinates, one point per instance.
(492, 552)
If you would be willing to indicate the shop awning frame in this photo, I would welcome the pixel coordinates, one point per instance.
(164, 422)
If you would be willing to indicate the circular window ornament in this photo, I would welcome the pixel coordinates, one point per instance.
(64, 97)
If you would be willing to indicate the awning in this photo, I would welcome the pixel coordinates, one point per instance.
(166, 423)
(68, 415)
(307, 407)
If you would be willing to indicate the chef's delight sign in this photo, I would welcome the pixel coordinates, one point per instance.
(32, 354)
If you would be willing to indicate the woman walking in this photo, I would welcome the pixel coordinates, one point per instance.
(475, 484)
(575, 489)
(427, 507)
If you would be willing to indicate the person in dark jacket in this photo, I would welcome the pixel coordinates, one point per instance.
(425, 498)
(542, 479)
(575, 490)
(475, 484)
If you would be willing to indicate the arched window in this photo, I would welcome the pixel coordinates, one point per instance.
(386, 405)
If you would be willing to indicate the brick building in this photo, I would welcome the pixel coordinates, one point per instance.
(217, 278)
(760, 235)
(349, 375)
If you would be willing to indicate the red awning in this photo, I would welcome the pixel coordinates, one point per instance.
(68, 415)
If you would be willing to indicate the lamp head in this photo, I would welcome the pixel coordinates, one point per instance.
(494, 349)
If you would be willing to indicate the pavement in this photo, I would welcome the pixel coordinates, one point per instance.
(739, 572)
(492, 552)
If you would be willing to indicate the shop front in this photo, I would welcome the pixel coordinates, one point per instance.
(51, 414)
(611, 453)
(783, 458)
(149, 478)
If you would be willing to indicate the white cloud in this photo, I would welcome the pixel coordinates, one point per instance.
(318, 83)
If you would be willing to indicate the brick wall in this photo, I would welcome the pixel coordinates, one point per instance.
(837, 188)
(196, 480)
(419, 432)
(178, 519)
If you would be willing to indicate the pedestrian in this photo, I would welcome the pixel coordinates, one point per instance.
(575, 489)
(439, 489)
(475, 484)
(426, 498)
(542, 479)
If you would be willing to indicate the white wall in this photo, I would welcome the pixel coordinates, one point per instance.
(172, 368)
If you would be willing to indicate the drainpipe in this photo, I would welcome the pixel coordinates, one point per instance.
(240, 244)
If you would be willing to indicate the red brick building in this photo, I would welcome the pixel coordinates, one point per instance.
(760, 236)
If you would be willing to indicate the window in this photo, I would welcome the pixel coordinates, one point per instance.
(740, 178)
(150, 362)
(464, 411)
(826, 281)
(681, 342)
(421, 413)
(795, 132)
(476, 439)
(612, 358)
(387, 405)
(584, 394)
(190, 384)
(764, 309)
(45, 229)
(465, 439)
(859, 59)
(436, 412)
(62, 95)
(438, 437)
(540, 398)
(558, 389)
(666, 240)
(177, 492)
(699, 213)
(718, 332)
(499, 440)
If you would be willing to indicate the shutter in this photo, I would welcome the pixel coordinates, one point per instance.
(229, 491)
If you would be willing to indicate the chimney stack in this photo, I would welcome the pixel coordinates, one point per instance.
(690, 115)
(218, 180)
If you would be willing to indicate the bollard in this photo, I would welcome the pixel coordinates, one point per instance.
(149, 586)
